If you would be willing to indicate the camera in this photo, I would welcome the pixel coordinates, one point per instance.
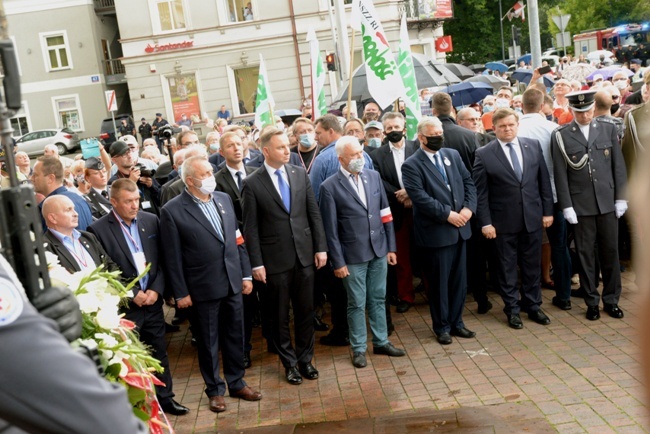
(166, 131)
(144, 171)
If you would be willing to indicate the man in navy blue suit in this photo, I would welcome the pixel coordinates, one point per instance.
(444, 200)
(515, 202)
(361, 240)
(208, 269)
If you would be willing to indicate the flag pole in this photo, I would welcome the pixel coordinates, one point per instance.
(350, 77)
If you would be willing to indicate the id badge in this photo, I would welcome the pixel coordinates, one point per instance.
(140, 262)
(146, 204)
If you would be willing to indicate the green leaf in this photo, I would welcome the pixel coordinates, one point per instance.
(136, 396)
(140, 414)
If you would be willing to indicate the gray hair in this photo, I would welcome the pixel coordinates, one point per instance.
(187, 170)
(196, 151)
(428, 121)
(179, 157)
(212, 135)
(343, 143)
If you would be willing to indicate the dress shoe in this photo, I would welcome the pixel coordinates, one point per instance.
(514, 321)
(169, 328)
(293, 376)
(402, 306)
(593, 313)
(613, 310)
(217, 404)
(334, 340)
(308, 371)
(484, 307)
(388, 350)
(444, 339)
(173, 407)
(539, 317)
(578, 293)
(359, 360)
(462, 332)
(320, 326)
(246, 393)
(247, 359)
(562, 304)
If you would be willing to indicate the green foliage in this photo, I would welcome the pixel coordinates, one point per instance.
(475, 31)
(596, 14)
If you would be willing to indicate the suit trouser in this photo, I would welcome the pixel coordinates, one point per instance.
(251, 307)
(560, 257)
(445, 269)
(293, 288)
(337, 296)
(219, 324)
(479, 254)
(366, 288)
(150, 324)
(402, 270)
(525, 249)
(598, 232)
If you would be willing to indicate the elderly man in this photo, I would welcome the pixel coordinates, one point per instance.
(622, 83)
(23, 165)
(175, 186)
(212, 142)
(360, 237)
(590, 180)
(53, 151)
(374, 134)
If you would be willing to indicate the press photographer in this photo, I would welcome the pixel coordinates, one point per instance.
(165, 133)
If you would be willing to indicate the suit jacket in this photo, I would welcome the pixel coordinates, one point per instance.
(275, 237)
(460, 139)
(596, 187)
(356, 233)
(110, 234)
(504, 202)
(433, 201)
(227, 184)
(98, 203)
(197, 262)
(171, 189)
(90, 243)
(384, 163)
(258, 160)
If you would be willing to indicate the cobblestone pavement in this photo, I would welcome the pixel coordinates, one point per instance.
(572, 376)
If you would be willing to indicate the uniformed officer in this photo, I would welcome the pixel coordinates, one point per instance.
(590, 180)
(637, 125)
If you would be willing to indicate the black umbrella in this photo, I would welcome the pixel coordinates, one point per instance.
(461, 71)
(494, 81)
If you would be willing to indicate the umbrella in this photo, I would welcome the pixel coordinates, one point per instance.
(441, 69)
(608, 72)
(524, 76)
(527, 58)
(496, 66)
(494, 81)
(468, 92)
(477, 67)
(579, 71)
(461, 71)
(595, 55)
(288, 115)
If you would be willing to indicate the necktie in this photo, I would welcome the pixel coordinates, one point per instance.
(285, 192)
(441, 169)
(239, 181)
(515, 161)
(355, 180)
(105, 194)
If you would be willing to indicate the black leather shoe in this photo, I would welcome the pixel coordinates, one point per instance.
(333, 340)
(247, 359)
(444, 339)
(593, 313)
(320, 326)
(579, 293)
(293, 376)
(539, 317)
(169, 328)
(562, 304)
(613, 310)
(462, 332)
(388, 350)
(359, 360)
(402, 306)
(514, 321)
(484, 307)
(173, 407)
(308, 371)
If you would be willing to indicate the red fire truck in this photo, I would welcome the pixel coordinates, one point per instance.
(611, 38)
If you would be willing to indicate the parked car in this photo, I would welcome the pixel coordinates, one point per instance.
(106, 132)
(34, 142)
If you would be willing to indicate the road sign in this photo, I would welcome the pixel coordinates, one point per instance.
(561, 21)
(111, 101)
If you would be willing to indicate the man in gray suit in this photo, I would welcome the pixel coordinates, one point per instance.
(361, 240)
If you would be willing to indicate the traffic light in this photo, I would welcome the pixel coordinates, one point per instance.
(330, 58)
(516, 34)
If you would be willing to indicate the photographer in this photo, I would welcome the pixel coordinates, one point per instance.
(124, 160)
(156, 125)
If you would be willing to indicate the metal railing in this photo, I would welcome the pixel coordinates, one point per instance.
(411, 9)
(104, 5)
(113, 67)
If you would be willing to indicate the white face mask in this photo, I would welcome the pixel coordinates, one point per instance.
(355, 165)
(307, 140)
(621, 84)
(502, 103)
(207, 185)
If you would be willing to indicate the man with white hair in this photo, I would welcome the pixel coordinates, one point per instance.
(176, 186)
(53, 151)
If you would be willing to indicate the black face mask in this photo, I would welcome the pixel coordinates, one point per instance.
(549, 117)
(434, 142)
(395, 136)
(614, 108)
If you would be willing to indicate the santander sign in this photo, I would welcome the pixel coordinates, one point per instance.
(168, 47)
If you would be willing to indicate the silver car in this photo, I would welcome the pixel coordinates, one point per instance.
(33, 143)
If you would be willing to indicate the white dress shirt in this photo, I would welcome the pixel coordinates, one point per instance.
(399, 155)
(356, 185)
(536, 126)
(517, 148)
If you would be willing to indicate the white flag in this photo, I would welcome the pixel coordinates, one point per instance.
(384, 81)
(407, 71)
(318, 104)
(264, 102)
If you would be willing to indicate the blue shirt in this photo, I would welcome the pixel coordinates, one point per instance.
(134, 242)
(74, 246)
(80, 205)
(327, 164)
(225, 115)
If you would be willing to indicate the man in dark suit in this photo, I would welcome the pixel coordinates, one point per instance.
(208, 269)
(444, 200)
(360, 236)
(285, 239)
(388, 160)
(248, 152)
(590, 181)
(131, 238)
(95, 174)
(515, 202)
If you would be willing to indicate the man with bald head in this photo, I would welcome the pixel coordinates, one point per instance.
(603, 110)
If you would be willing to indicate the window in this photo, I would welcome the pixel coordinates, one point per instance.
(246, 86)
(56, 51)
(240, 10)
(20, 122)
(171, 15)
(68, 113)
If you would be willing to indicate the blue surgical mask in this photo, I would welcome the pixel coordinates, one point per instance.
(488, 108)
(518, 110)
(374, 142)
(214, 147)
(180, 170)
(307, 140)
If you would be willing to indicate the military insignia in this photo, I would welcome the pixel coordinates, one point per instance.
(581, 97)
(574, 158)
(11, 303)
(606, 152)
(573, 129)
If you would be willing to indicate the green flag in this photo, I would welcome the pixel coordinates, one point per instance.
(319, 106)
(407, 71)
(264, 102)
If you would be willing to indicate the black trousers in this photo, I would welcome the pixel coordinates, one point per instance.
(338, 298)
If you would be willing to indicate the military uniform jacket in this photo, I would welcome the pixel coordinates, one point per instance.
(99, 205)
(593, 189)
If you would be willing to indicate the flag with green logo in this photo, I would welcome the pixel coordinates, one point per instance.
(264, 102)
(407, 71)
(384, 81)
(318, 104)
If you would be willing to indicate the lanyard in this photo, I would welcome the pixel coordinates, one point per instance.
(80, 260)
(127, 232)
(303, 161)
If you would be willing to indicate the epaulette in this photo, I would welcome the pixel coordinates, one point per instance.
(561, 127)
(606, 120)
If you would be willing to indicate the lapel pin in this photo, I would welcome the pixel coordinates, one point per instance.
(606, 152)
(223, 211)
(447, 162)
(573, 129)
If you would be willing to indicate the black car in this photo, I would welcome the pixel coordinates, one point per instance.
(107, 134)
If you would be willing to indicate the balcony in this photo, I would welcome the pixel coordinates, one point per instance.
(114, 71)
(104, 7)
(427, 13)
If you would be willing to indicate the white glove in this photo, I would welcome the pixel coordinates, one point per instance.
(621, 207)
(570, 215)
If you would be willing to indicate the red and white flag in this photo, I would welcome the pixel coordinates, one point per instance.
(517, 11)
(239, 238)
